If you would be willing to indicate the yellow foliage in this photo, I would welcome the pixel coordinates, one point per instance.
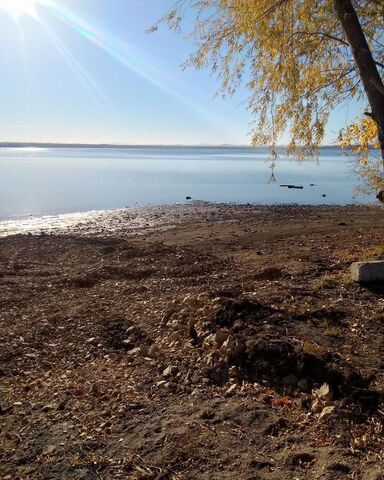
(292, 55)
(359, 139)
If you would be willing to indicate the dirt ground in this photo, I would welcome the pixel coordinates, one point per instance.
(203, 342)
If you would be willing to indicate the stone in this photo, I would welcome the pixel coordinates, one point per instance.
(134, 351)
(175, 324)
(170, 371)
(326, 413)
(324, 393)
(367, 271)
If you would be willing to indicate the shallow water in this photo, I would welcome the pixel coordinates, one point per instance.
(53, 181)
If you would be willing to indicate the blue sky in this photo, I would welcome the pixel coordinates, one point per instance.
(87, 71)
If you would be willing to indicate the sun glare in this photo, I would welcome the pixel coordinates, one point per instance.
(18, 8)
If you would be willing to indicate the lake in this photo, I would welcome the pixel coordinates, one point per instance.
(65, 180)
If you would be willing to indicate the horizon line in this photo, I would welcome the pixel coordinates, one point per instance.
(137, 145)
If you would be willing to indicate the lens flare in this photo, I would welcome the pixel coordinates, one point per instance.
(126, 54)
(18, 8)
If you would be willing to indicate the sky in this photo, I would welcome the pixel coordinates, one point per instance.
(86, 71)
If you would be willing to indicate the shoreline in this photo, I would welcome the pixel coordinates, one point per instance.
(138, 218)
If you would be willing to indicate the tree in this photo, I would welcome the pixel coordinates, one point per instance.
(298, 58)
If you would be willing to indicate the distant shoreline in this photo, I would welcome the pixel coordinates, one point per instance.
(127, 146)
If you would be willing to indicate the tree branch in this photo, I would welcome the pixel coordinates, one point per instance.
(323, 34)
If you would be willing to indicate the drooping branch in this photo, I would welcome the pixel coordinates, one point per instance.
(323, 34)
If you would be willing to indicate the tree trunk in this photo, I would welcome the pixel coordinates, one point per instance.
(372, 82)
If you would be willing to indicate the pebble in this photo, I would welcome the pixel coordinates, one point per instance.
(170, 371)
(134, 351)
(323, 393)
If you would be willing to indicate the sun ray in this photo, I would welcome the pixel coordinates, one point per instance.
(124, 53)
(130, 57)
(82, 75)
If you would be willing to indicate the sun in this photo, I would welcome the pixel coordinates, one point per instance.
(18, 8)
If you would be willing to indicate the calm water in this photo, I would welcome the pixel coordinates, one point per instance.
(52, 181)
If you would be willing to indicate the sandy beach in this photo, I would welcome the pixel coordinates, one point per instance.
(192, 342)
